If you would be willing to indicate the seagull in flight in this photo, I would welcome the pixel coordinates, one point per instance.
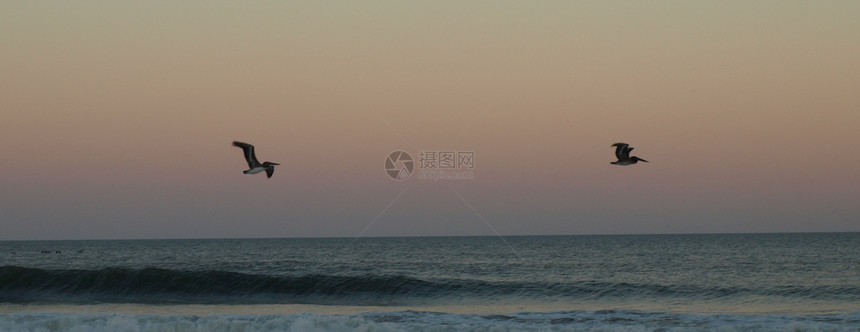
(255, 166)
(622, 152)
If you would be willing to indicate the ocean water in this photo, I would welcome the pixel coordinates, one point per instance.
(725, 282)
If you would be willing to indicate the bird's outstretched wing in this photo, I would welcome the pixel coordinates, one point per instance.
(621, 150)
(248, 150)
(269, 171)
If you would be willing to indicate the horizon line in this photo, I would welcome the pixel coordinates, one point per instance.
(431, 236)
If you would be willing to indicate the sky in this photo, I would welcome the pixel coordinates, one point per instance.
(116, 118)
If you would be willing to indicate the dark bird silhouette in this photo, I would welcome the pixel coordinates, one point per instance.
(622, 152)
(255, 166)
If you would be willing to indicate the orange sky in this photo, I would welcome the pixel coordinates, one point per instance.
(116, 118)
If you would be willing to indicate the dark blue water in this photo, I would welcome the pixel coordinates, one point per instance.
(408, 271)
(794, 274)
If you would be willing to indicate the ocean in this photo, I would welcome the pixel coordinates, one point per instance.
(724, 282)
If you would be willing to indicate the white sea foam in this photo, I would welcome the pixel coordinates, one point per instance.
(610, 320)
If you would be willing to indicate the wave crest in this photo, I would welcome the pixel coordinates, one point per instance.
(165, 286)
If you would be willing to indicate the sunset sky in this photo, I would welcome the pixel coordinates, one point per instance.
(116, 118)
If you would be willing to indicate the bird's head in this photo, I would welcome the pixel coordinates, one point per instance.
(269, 163)
(638, 159)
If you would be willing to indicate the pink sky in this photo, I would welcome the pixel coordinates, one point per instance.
(117, 118)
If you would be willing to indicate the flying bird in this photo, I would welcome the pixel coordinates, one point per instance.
(622, 152)
(255, 166)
